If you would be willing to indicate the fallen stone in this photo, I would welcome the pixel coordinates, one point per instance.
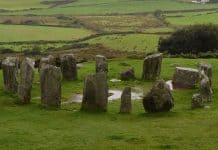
(185, 77)
(197, 101)
(127, 74)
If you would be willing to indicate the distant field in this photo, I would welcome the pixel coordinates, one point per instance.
(21, 4)
(192, 18)
(103, 7)
(121, 23)
(11, 33)
(130, 42)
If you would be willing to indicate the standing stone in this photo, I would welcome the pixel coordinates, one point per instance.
(10, 74)
(126, 105)
(69, 67)
(185, 77)
(197, 101)
(101, 64)
(95, 93)
(152, 67)
(205, 88)
(207, 68)
(159, 99)
(50, 82)
(50, 60)
(127, 74)
(26, 80)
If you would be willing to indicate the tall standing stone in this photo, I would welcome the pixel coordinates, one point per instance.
(101, 64)
(205, 87)
(159, 99)
(207, 68)
(185, 77)
(126, 105)
(50, 83)
(26, 80)
(152, 67)
(10, 74)
(50, 60)
(69, 67)
(95, 93)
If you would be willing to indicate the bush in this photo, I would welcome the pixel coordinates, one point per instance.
(192, 39)
(6, 51)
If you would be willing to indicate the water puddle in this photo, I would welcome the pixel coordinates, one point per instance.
(114, 94)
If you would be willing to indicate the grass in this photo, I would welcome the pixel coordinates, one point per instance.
(12, 33)
(31, 127)
(21, 4)
(129, 42)
(103, 7)
(121, 23)
(181, 19)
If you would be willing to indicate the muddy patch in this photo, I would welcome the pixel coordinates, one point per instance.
(114, 94)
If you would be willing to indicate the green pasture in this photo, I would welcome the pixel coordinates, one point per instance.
(21, 4)
(15, 33)
(32, 127)
(103, 7)
(181, 19)
(129, 42)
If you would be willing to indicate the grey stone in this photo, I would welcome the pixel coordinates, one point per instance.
(205, 88)
(26, 80)
(159, 99)
(197, 101)
(50, 60)
(69, 67)
(101, 64)
(10, 74)
(185, 77)
(126, 105)
(95, 93)
(50, 83)
(152, 67)
(207, 68)
(127, 74)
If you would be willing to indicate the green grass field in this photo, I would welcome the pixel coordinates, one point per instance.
(130, 42)
(21, 4)
(181, 19)
(12, 33)
(31, 127)
(102, 7)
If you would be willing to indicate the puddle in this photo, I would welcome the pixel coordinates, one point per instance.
(170, 84)
(137, 94)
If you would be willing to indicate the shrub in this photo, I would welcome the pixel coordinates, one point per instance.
(192, 39)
